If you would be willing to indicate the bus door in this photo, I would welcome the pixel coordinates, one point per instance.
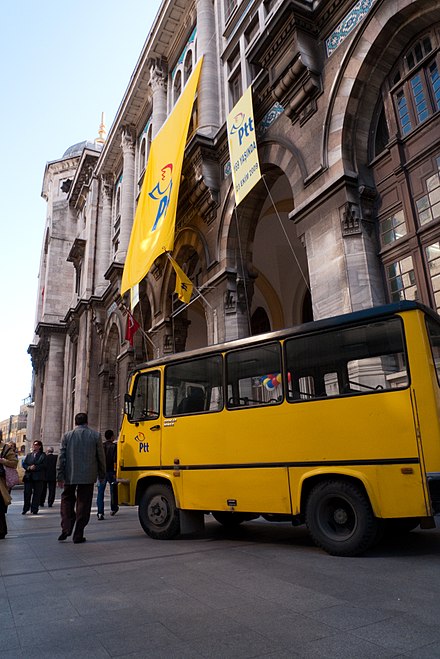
(224, 443)
(141, 433)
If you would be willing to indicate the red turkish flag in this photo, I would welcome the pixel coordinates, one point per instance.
(132, 328)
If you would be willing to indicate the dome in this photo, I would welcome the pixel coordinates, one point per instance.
(77, 149)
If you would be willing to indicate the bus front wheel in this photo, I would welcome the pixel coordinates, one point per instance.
(340, 519)
(158, 514)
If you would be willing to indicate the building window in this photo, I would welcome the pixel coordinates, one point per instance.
(269, 5)
(117, 220)
(235, 88)
(402, 280)
(433, 260)
(177, 86)
(428, 206)
(252, 30)
(229, 8)
(416, 85)
(392, 228)
(188, 67)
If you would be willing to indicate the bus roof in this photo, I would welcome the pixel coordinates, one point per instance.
(371, 313)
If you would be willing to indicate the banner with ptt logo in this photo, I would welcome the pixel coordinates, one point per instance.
(154, 220)
(243, 147)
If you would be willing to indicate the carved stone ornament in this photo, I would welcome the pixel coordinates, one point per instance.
(158, 75)
(128, 141)
(107, 185)
(351, 222)
(229, 302)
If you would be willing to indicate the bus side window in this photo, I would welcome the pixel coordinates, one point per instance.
(361, 359)
(254, 377)
(194, 386)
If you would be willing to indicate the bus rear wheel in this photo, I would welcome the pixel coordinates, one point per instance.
(340, 519)
(158, 514)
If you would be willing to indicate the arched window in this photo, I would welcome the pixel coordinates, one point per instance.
(188, 67)
(142, 155)
(117, 221)
(407, 173)
(177, 86)
(415, 84)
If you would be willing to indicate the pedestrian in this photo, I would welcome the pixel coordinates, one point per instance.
(35, 473)
(80, 462)
(110, 448)
(8, 458)
(50, 483)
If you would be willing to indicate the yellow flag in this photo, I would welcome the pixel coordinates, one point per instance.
(243, 146)
(184, 287)
(154, 220)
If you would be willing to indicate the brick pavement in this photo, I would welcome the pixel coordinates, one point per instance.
(263, 591)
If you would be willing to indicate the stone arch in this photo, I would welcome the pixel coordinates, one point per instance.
(363, 68)
(264, 227)
(110, 387)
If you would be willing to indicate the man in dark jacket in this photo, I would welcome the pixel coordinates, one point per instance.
(110, 476)
(50, 484)
(35, 473)
(80, 462)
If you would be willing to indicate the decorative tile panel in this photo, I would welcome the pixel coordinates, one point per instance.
(347, 25)
(269, 119)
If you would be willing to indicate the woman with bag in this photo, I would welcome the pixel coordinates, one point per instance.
(8, 458)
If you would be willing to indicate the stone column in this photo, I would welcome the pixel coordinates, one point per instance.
(103, 239)
(51, 419)
(208, 95)
(228, 314)
(127, 192)
(158, 85)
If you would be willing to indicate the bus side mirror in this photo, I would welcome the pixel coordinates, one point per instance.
(128, 405)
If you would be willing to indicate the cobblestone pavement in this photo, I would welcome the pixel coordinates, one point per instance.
(261, 591)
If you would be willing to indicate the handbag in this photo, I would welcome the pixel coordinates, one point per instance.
(11, 476)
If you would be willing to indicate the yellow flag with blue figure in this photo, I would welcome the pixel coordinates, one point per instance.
(154, 220)
(184, 286)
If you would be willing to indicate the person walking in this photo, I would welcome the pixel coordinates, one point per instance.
(35, 473)
(110, 448)
(80, 462)
(8, 458)
(50, 484)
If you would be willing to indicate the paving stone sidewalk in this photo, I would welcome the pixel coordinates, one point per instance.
(262, 591)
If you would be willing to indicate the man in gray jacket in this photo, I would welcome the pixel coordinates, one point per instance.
(80, 462)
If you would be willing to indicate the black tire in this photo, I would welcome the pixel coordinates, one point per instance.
(340, 519)
(229, 519)
(158, 514)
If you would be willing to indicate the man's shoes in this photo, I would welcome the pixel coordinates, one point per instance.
(35, 512)
(25, 510)
(50, 505)
(113, 512)
(63, 536)
(100, 516)
(79, 541)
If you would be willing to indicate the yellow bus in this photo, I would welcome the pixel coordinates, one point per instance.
(333, 423)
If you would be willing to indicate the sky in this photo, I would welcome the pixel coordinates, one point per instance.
(62, 64)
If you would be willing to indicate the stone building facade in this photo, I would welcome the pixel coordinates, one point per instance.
(347, 215)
